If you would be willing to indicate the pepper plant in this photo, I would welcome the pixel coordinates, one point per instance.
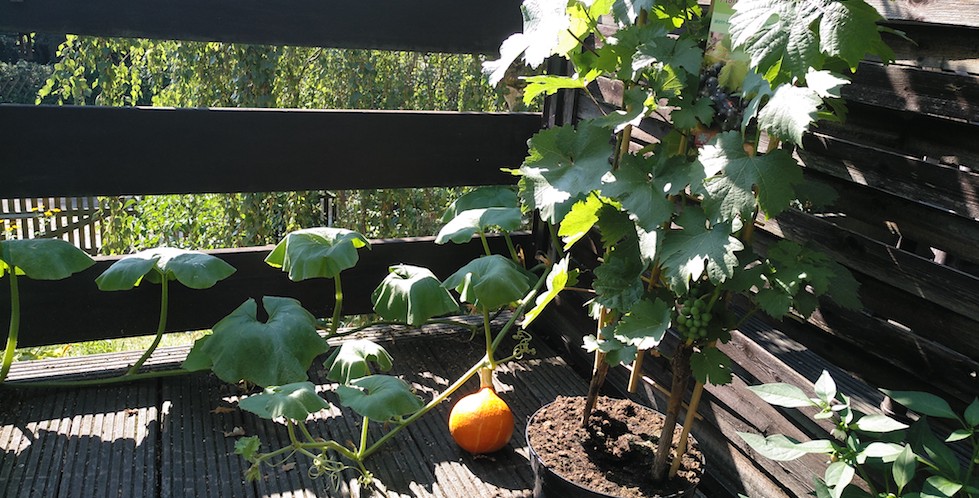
(893, 459)
(674, 219)
(38, 259)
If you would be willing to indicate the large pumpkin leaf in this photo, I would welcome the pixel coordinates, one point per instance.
(483, 197)
(42, 259)
(411, 294)
(321, 252)
(353, 358)
(462, 228)
(272, 353)
(295, 401)
(489, 282)
(194, 269)
(379, 397)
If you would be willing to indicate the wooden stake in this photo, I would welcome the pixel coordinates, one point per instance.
(636, 374)
(681, 446)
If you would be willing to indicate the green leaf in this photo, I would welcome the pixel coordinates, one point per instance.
(774, 302)
(353, 358)
(972, 413)
(885, 451)
(939, 487)
(643, 196)
(790, 112)
(689, 116)
(877, 423)
(564, 164)
(777, 447)
(557, 279)
(483, 197)
(776, 33)
(732, 194)
(468, 223)
(43, 259)
(548, 85)
(580, 220)
(543, 23)
(627, 11)
(838, 476)
(825, 387)
(904, 468)
(958, 435)
(923, 403)
(687, 253)
(925, 444)
(711, 366)
(489, 282)
(826, 84)
(295, 401)
(321, 252)
(379, 397)
(636, 107)
(616, 352)
(412, 295)
(645, 324)
(247, 447)
(848, 30)
(195, 270)
(274, 353)
(617, 280)
(781, 394)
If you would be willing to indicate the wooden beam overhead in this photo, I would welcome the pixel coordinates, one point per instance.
(457, 26)
(113, 151)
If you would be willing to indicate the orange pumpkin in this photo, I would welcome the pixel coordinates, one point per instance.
(481, 422)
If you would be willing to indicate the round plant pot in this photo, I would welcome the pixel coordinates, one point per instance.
(574, 443)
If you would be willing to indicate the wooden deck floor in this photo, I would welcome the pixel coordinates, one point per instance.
(171, 438)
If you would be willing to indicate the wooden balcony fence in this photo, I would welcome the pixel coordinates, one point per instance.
(906, 165)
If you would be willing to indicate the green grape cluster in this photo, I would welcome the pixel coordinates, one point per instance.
(693, 318)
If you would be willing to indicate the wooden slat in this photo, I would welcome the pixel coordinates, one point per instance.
(937, 47)
(100, 315)
(954, 12)
(914, 90)
(156, 150)
(951, 289)
(461, 26)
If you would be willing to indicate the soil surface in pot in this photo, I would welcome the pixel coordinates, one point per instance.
(614, 454)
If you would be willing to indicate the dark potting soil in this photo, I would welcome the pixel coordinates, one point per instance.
(614, 454)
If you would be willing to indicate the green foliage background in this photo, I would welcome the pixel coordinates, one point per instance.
(123, 72)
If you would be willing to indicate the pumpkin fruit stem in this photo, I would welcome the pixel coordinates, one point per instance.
(486, 378)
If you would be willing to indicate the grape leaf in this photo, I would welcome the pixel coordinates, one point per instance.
(294, 401)
(321, 252)
(549, 85)
(411, 294)
(616, 353)
(711, 366)
(687, 253)
(626, 11)
(689, 116)
(564, 164)
(645, 324)
(580, 220)
(43, 259)
(543, 23)
(848, 30)
(732, 194)
(790, 112)
(826, 84)
(285, 344)
(640, 194)
(617, 280)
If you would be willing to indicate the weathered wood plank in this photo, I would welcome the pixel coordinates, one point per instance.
(237, 150)
(955, 12)
(466, 26)
(951, 289)
(936, 47)
(914, 90)
(100, 315)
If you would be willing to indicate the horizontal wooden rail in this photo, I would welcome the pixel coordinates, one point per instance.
(74, 310)
(953, 12)
(458, 26)
(903, 88)
(112, 151)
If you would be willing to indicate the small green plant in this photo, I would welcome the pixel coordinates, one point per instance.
(892, 459)
(38, 259)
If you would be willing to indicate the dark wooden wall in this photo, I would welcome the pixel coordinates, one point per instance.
(906, 168)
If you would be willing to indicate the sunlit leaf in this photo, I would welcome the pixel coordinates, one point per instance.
(557, 279)
(483, 197)
(781, 394)
(468, 223)
(379, 397)
(489, 282)
(645, 324)
(43, 259)
(923, 403)
(193, 269)
(321, 252)
(353, 359)
(412, 295)
(295, 401)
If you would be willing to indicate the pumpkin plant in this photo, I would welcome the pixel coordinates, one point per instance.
(674, 219)
(413, 296)
(38, 259)
(893, 459)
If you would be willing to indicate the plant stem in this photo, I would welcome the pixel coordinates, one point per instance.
(8, 353)
(681, 374)
(529, 298)
(599, 371)
(160, 328)
(511, 248)
(482, 238)
(681, 446)
(337, 305)
(489, 338)
(363, 437)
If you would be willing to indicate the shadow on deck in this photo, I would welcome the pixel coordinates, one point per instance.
(174, 437)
